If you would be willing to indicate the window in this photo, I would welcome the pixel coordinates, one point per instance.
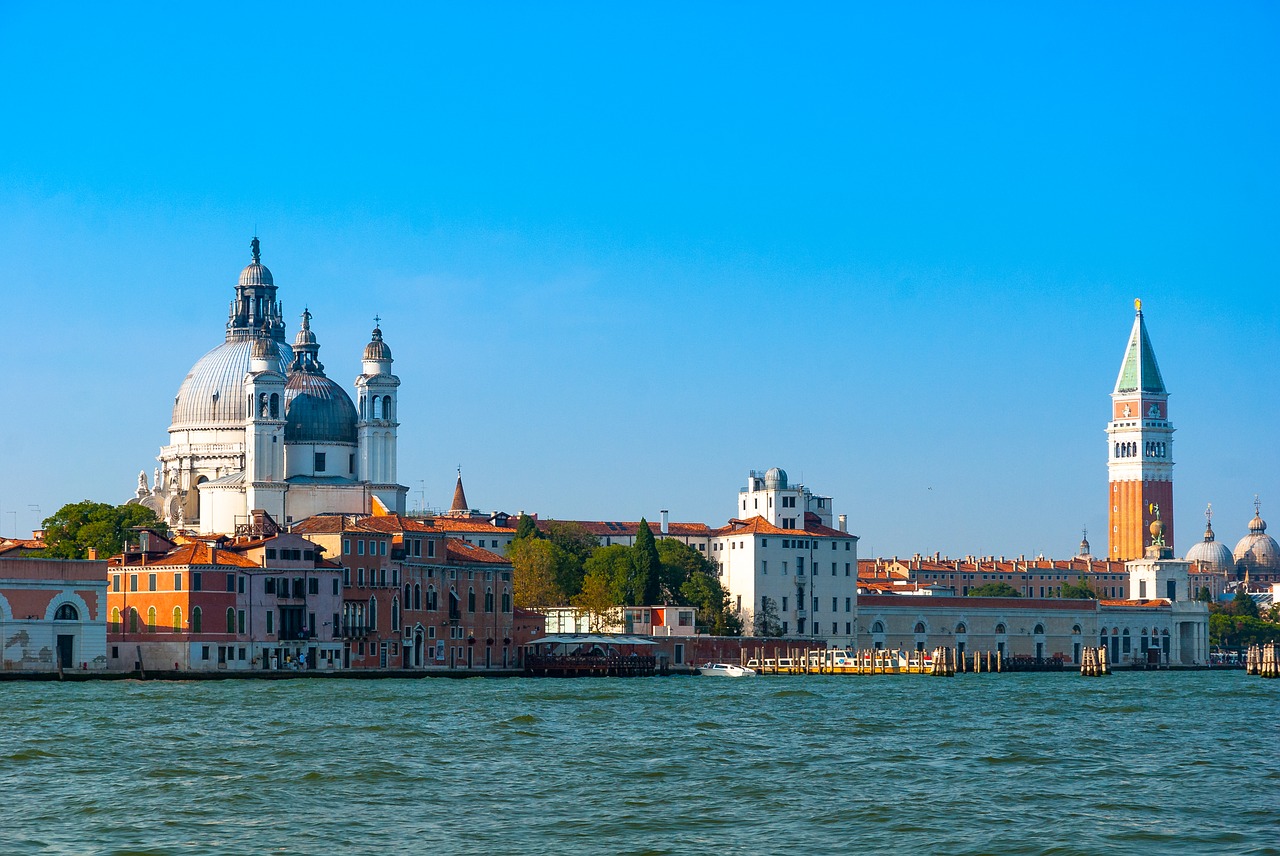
(115, 582)
(66, 612)
(271, 615)
(488, 600)
(313, 585)
(151, 620)
(320, 463)
(335, 585)
(360, 577)
(359, 546)
(115, 620)
(846, 545)
(346, 545)
(395, 614)
(834, 572)
(231, 582)
(919, 628)
(846, 569)
(471, 600)
(240, 621)
(195, 581)
(848, 604)
(382, 548)
(177, 582)
(177, 619)
(835, 606)
(133, 620)
(784, 603)
(764, 567)
(197, 623)
(133, 582)
(269, 585)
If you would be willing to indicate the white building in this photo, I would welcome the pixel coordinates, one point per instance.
(258, 425)
(785, 569)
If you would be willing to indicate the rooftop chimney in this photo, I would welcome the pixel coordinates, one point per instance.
(664, 521)
(843, 522)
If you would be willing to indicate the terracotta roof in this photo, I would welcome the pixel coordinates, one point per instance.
(1144, 603)
(394, 523)
(198, 553)
(332, 524)
(759, 526)
(459, 524)
(628, 529)
(1028, 604)
(461, 551)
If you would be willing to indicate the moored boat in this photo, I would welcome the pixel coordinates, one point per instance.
(726, 670)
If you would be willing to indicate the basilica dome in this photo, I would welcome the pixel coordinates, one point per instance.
(1212, 555)
(317, 410)
(212, 394)
(1257, 551)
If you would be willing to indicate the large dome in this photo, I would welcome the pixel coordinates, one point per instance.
(1257, 551)
(317, 410)
(212, 393)
(1212, 556)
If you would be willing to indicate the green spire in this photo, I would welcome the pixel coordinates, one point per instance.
(1139, 372)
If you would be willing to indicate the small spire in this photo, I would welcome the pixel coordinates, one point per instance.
(1208, 523)
(377, 321)
(459, 504)
(1137, 305)
(255, 247)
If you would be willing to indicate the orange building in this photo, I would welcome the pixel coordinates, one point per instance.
(1140, 450)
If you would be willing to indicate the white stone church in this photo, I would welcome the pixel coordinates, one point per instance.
(258, 425)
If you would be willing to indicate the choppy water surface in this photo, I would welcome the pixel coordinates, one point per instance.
(975, 764)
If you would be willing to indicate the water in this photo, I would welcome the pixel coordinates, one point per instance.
(1145, 762)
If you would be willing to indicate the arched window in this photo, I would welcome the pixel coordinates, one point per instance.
(373, 613)
(1000, 629)
(386, 407)
(177, 619)
(275, 406)
(506, 601)
(471, 600)
(151, 620)
(408, 596)
(919, 627)
(1039, 630)
(195, 620)
(432, 603)
(488, 600)
(66, 612)
(133, 620)
(1075, 630)
(115, 619)
(961, 628)
(362, 416)
(231, 620)
(417, 596)
(395, 614)
(878, 627)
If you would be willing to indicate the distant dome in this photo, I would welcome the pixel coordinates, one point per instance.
(256, 273)
(212, 393)
(317, 410)
(775, 479)
(377, 349)
(262, 348)
(1212, 556)
(1257, 551)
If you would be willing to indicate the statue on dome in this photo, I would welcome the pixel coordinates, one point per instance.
(253, 245)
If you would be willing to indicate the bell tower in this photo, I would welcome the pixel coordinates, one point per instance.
(1140, 450)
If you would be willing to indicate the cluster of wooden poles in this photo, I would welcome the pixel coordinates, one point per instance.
(1263, 660)
(1094, 662)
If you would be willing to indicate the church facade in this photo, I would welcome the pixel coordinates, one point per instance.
(257, 424)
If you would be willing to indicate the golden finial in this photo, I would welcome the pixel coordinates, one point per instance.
(1137, 305)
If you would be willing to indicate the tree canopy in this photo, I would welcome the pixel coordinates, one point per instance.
(995, 590)
(1079, 590)
(533, 565)
(79, 526)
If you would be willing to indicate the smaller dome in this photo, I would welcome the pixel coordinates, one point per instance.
(317, 410)
(1257, 524)
(256, 273)
(775, 479)
(377, 349)
(1257, 551)
(263, 348)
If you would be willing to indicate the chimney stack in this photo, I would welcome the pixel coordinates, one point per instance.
(664, 521)
(843, 522)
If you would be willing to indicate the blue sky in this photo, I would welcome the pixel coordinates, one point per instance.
(625, 254)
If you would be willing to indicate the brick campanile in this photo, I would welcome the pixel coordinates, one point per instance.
(1140, 450)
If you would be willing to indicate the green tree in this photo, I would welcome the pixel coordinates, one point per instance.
(715, 614)
(995, 590)
(79, 526)
(1243, 605)
(613, 565)
(597, 599)
(766, 619)
(1237, 631)
(526, 528)
(533, 584)
(574, 545)
(1204, 595)
(680, 563)
(646, 568)
(1079, 590)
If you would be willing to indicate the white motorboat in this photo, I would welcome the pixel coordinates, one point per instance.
(726, 670)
